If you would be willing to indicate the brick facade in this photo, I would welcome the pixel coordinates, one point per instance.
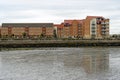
(4, 31)
(100, 24)
(33, 31)
(30, 29)
(18, 31)
(91, 27)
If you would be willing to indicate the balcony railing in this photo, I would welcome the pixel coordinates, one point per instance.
(103, 23)
(103, 32)
(93, 24)
(103, 29)
(103, 26)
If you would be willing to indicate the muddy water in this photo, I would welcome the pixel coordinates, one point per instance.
(61, 64)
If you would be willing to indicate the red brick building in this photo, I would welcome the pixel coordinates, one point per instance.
(59, 30)
(30, 29)
(96, 27)
(91, 27)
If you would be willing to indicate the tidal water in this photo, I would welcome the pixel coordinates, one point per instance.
(61, 64)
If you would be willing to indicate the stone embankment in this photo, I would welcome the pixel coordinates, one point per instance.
(57, 43)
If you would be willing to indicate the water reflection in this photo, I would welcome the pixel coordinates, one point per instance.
(95, 62)
(59, 64)
(91, 61)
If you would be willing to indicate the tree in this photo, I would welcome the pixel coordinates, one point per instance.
(12, 36)
(54, 34)
(24, 35)
(114, 36)
(42, 35)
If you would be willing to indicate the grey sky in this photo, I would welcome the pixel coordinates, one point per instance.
(57, 10)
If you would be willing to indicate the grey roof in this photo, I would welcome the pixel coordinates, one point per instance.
(27, 25)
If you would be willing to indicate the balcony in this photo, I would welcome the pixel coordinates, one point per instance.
(93, 24)
(79, 25)
(103, 23)
(98, 22)
(103, 30)
(103, 33)
(103, 26)
(93, 35)
(107, 23)
(93, 29)
(67, 25)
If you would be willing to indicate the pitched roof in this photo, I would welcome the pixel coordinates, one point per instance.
(81, 21)
(90, 17)
(58, 25)
(70, 21)
(27, 25)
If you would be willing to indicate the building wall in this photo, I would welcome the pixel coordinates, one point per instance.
(66, 32)
(87, 28)
(107, 27)
(102, 27)
(18, 31)
(83, 28)
(4, 31)
(99, 31)
(74, 29)
(93, 28)
(35, 31)
(31, 31)
(59, 32)
(49, 31)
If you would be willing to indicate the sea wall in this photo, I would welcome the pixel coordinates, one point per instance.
(57, 43)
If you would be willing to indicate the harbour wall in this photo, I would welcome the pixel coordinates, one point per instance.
(57, 43)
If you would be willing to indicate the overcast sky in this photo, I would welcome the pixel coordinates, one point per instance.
(57, 10)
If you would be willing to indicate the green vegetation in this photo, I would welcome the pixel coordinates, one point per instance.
(42, 36)
(24, 35)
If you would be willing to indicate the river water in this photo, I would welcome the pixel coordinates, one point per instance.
(61, 64)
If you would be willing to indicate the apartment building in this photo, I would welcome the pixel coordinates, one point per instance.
(29, 29)
(70, 28)
(96, 27)
(91, 27)
(59, 30)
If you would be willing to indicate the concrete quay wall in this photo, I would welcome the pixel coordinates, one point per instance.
(57, 43)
